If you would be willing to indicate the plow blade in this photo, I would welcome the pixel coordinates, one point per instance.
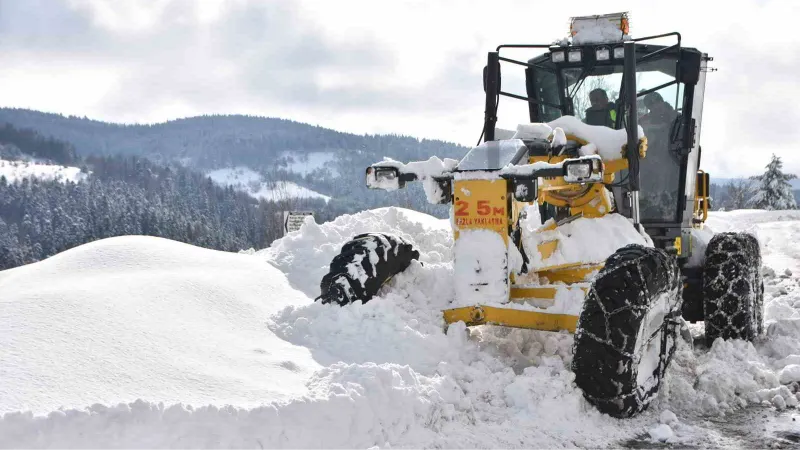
(516, 318)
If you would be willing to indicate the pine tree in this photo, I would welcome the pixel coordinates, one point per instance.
(774, 191)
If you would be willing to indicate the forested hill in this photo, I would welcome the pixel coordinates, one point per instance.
(212, 142)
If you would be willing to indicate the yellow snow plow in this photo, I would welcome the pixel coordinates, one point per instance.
(583, 220)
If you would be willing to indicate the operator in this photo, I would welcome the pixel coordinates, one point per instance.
(659, 111)
(602, 112)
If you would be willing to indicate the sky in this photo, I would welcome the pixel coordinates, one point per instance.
(378, 66)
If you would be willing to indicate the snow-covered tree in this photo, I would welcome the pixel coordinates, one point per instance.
(739, 193)
(773, 190)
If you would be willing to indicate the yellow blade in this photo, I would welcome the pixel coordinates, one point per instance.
(516, 318)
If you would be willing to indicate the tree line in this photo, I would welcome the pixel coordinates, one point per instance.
(128, 195)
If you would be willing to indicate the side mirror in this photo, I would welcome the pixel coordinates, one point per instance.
(587, 169)
(486, 76)
(385, 178)
(525, 190)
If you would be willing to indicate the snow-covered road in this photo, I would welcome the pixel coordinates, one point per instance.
(127, 342)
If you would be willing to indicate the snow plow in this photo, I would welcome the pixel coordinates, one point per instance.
(588, 219)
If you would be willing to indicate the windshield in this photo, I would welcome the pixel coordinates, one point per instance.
(593, 94)
(493, 155)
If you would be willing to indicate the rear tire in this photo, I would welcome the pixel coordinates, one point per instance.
(733, 289)
(627, 330)
(363, 265)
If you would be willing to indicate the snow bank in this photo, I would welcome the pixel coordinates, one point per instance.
(145, 318)
(306, 254)
(175, 324)
(15, 171)
(734, 374)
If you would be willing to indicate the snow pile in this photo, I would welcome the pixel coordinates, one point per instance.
(305, 255)
(145, 318)
(600, 140)
(164, 322)
(247, 180)
(583, 240)
(15, 171)
(735, 374)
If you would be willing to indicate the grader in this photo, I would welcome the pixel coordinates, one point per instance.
(587, 218)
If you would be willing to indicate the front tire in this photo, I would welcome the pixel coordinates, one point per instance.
(733, 289)
(363, 265)
(627, 330)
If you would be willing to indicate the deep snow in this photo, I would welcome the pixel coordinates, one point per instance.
(134, 317)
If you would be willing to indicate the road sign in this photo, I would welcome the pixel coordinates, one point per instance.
(292, 220)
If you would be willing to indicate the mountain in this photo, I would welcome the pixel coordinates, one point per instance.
(287, 156)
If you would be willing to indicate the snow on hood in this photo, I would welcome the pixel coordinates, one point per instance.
(601, 140)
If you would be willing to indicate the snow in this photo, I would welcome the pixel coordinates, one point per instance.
(789, 374)
(245, 179)
(285, 190)
(601, 140)
(235, 176)
(307, 253)
(668, 417)
(15, 171)
(597, 29)
(425, 172)
(228, 350)
(583, 240)
(661, 433)
(480, 268)
(700, 239)
(138, 317)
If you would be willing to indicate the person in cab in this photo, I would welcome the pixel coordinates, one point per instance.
(602, 112)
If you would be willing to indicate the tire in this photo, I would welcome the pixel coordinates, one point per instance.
(627, 330)
(363, 265)
(733, 289)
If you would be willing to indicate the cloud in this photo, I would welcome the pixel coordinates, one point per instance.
(408, 67)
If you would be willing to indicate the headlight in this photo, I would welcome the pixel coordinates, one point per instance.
(386, 178)
(619, 52)
(583, 170)
(575, 55)
(579, 171)
(557, 57)
(602, 53)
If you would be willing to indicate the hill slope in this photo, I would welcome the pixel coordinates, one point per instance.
(213, 142)
(326, 163)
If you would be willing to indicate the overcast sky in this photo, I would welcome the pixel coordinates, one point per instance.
(403, 67)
